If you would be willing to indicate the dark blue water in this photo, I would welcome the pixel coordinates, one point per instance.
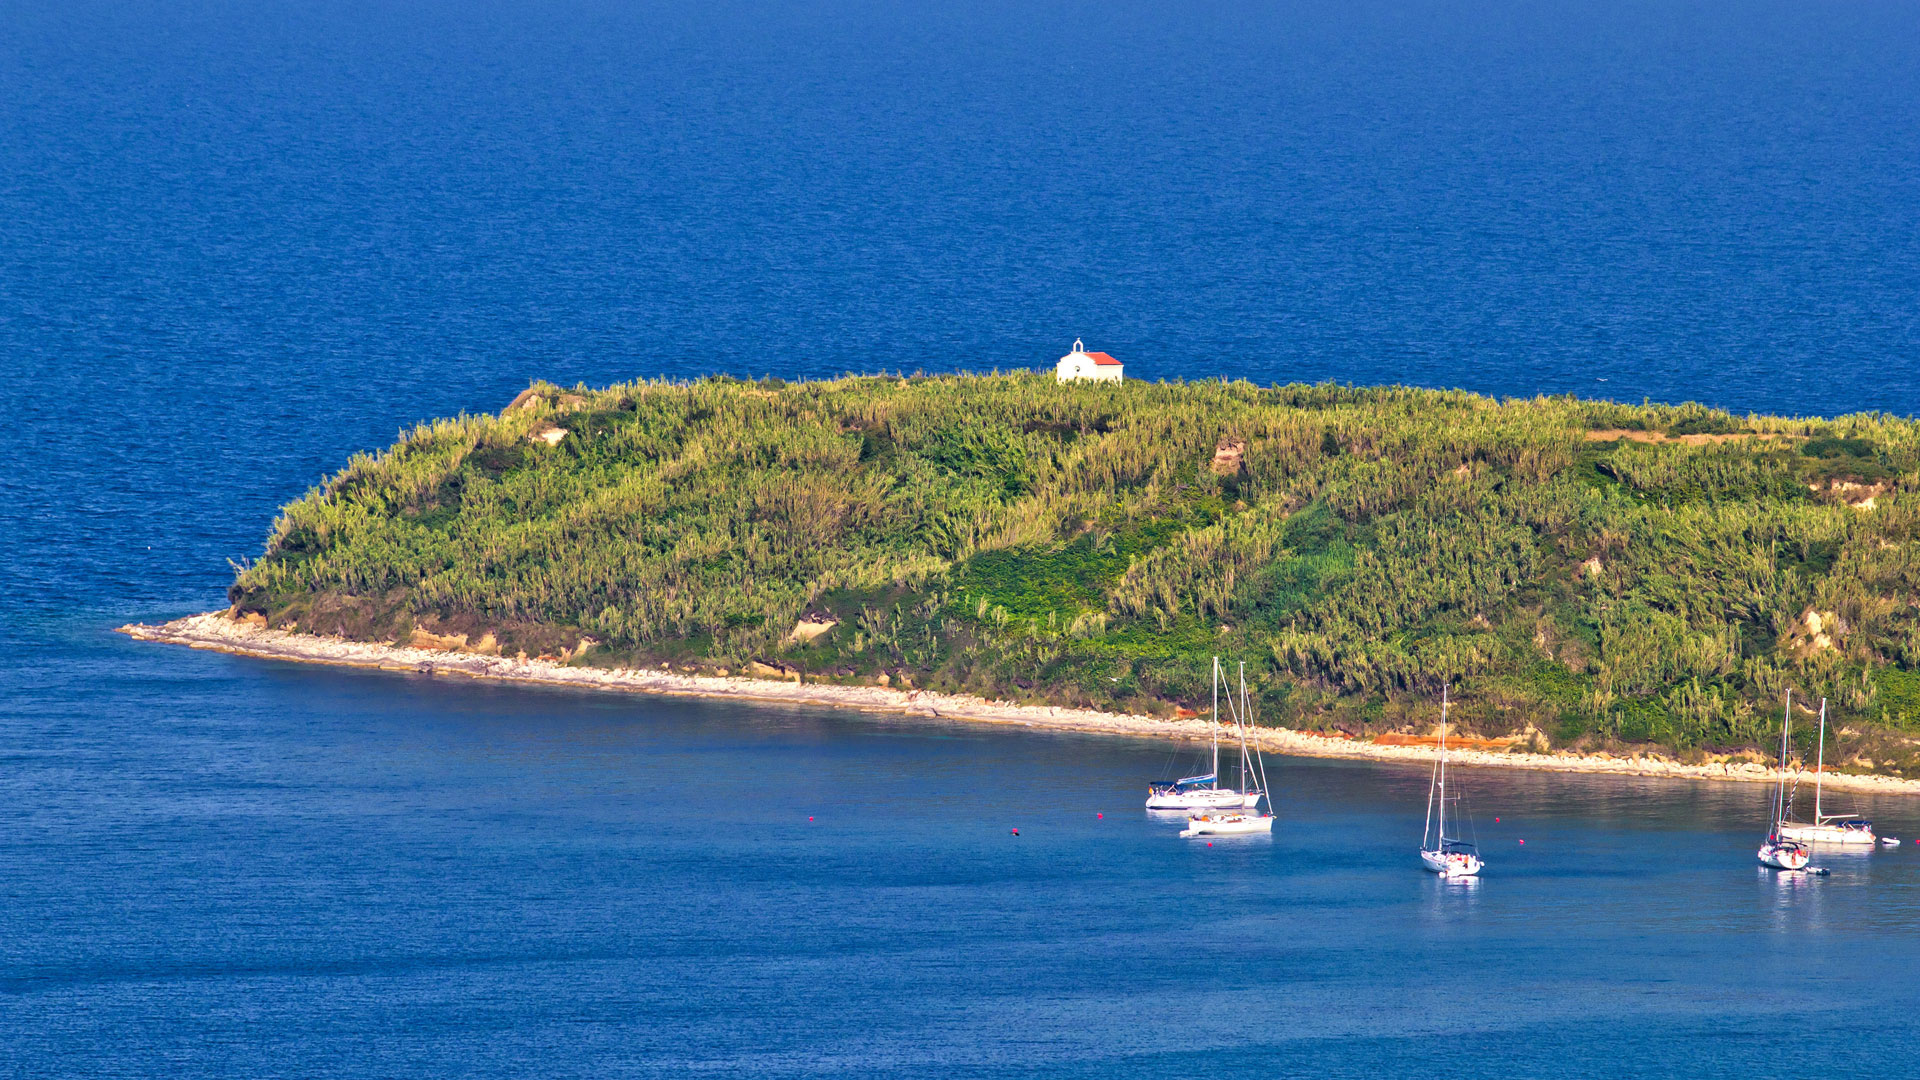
(240, 241)
(214, 866)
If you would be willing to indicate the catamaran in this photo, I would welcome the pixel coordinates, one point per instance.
(1777, 850)
(1204, 792)
(1826, 828)
(1448, 857)
(1253, 767)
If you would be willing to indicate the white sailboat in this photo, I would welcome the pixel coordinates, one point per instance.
(1447, 856)
(1204, 792)
(1825, 828)
(1253, 767)
(1778, 851)
(1233, 824)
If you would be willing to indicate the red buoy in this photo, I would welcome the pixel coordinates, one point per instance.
(1523, 841)
(1016, 832)
(1100, 815)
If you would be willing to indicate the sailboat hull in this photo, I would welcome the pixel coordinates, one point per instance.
(1789, 856)
(1451, 863)
(1861, 835)
(1203, 799)
(1229, 825)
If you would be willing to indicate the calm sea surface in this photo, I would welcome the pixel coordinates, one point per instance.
(241, 241)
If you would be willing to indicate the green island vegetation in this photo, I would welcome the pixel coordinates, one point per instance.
(1584, 574)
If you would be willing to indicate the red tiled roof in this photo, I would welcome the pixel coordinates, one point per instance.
(1103, 359)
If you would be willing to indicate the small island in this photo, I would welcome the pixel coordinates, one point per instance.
(1598, 581)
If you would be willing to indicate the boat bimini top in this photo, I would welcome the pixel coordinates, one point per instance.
(1185, 782)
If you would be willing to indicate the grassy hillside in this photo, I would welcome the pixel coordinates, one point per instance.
(1599, 573)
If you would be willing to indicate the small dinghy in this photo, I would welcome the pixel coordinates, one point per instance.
(1228, 825)
(1890, 841)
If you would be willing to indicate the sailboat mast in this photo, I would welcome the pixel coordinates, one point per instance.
(1427, 825)
(1240, 726)
(1247, 731)
(1258, 759)
(1820, 766)
(1780, 789)
(1216, 721)
(1442, 835)
(1246, 718)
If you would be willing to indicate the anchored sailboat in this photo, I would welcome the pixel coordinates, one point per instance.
(1778, 850)
(1204, 792)
(1447, 856)
(1826, 828)
(1253, 775)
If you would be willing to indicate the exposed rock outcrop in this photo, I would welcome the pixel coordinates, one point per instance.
(771, 671)
(1230, 457)
(1862, 497)
(812, 626)
(1814, 632)
(425, 639)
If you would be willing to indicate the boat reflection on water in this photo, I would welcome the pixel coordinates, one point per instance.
(1449, 899)
(1793, 888)
(1456, 885)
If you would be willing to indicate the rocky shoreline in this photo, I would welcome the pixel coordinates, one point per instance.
(214, 630)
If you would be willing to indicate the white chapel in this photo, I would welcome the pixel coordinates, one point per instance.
(1081, 364)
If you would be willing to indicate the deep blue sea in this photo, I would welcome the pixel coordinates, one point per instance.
(240, 241)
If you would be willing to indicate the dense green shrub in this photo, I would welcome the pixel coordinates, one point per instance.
(1084, 543)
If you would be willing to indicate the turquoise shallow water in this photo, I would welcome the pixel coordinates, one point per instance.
(243, 241)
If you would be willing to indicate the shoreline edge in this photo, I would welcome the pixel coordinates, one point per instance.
(216, 632)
